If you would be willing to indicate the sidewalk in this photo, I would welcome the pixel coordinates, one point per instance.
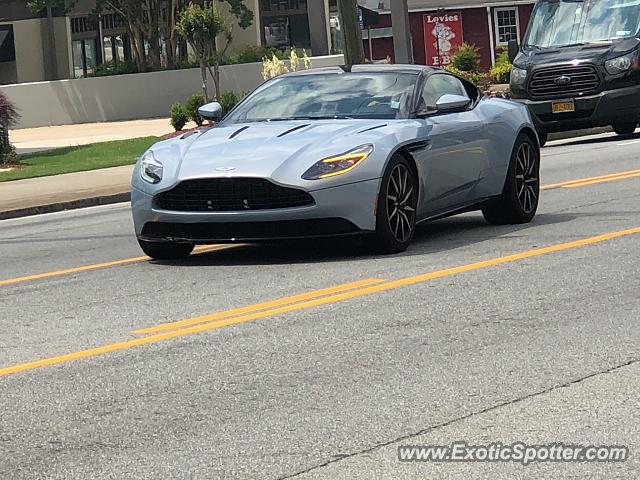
(61, 192)
(73, 190)
(46, 138)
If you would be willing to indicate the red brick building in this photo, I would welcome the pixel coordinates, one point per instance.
(488, 25)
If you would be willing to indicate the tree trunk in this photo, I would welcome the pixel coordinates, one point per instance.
(350, 26)
(136, 48)
(215, 74)
(203, 73)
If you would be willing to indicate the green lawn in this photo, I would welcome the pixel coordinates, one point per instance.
(80, 159)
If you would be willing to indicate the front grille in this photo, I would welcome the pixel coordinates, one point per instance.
(230, 194)
(545, 81)
(220, 232)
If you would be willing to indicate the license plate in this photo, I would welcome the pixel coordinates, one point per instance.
(563, 106)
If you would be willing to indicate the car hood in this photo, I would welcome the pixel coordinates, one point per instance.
(270, 149)
(596, 53)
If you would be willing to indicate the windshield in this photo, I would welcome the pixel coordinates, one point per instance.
(328, 96)
(558, 23)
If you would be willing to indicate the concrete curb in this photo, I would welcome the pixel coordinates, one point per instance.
(72, 205)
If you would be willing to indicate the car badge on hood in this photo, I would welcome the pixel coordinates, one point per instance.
(225, 169)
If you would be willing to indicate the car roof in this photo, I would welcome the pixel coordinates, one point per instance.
(367, 68)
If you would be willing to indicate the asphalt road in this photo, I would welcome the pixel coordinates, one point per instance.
(521, 343)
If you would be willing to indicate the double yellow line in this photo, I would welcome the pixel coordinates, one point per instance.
(593, 180)
(206, 249)
(303, 301)
(97, 266)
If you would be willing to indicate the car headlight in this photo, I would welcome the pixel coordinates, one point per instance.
(151, 169)
(518, 76)
(622, 64)
(332, 166)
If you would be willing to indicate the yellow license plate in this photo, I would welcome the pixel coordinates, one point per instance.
(563, 106)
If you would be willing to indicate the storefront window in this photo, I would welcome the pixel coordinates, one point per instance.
(507, 27)
(84, 57)
(285, 23)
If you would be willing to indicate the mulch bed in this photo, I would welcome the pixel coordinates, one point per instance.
(187, 130)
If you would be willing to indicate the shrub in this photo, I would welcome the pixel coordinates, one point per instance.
(179, 116)
(466, 58)
(111, 68)
(252, 54)
(501, 73)
(194, 102)
(8, 117)
(480, 79)
(228, 100)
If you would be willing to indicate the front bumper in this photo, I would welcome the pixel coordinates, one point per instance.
(343, 210)
(606, 108)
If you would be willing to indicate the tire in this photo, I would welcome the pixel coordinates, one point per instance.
(624, 128)
(521, 194)
(543, 138)
(397, 205)
(166, 250)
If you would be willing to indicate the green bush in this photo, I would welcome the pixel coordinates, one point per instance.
(228, 100)
(501, 73)
(111, 68)
(252, 54)
(466, 58)
(480, 79)
(194, 102)
(179, 116)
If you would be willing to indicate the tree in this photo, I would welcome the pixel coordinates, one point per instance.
(201, 26)
(350, 26)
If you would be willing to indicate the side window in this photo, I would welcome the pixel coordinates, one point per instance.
(437, 85)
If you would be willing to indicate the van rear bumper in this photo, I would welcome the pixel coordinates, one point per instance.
(606, 108)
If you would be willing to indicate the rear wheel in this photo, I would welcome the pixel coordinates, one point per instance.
(624, 128)
(166, 250)
(397, 205)
(519, 200)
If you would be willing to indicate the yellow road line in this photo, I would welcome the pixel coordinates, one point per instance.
(260, 306)
(593, 180)
(213, 325)
(96, 266)
(126, 261)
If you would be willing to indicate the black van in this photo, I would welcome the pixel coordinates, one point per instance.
(579, 66)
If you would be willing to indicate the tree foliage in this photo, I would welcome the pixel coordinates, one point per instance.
(202, 26)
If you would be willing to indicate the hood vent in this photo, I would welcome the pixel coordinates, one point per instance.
(238, 132)
(373, 128)
(291, 130)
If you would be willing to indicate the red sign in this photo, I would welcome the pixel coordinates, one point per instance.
(442, 34)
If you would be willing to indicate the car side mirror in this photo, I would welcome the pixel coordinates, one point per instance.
(211, 111)
(452, 103)
(513, 49)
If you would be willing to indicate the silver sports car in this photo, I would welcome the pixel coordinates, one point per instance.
(329, 152)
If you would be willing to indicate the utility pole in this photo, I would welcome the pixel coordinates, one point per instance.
(350, 26)
(401, 31)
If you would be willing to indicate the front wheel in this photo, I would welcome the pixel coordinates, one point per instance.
(397, 205)
(166, 250)
(519, 200)
(624, 128)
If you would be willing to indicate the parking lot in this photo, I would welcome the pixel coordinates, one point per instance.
(317, 360)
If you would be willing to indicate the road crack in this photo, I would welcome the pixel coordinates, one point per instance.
(409, 436)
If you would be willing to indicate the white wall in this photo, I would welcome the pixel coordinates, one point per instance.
(125, 97)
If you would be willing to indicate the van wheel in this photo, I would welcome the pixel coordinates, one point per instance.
(543, 138)
(624, 128)
(166, 250)
(519, 200)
